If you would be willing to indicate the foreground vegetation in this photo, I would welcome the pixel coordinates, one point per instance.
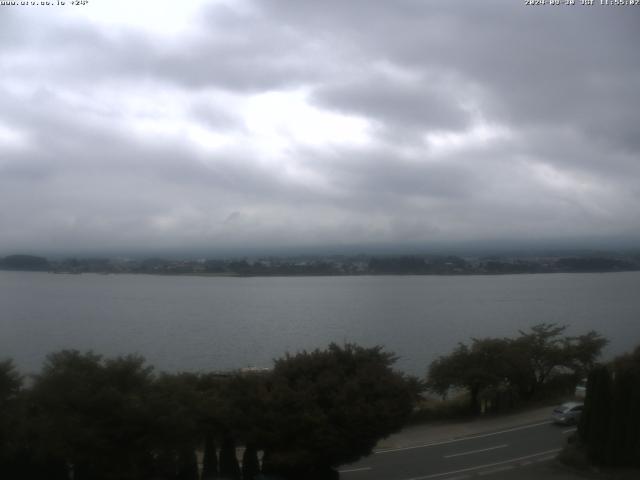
(498, 373)
(88, 417)
(609, 430)
(95, 418)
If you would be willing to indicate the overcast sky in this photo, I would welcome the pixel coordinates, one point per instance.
(163, 124)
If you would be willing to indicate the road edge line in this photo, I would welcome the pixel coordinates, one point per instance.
(461, 439)
(470, 469)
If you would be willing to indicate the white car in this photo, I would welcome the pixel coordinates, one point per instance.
(567, 413)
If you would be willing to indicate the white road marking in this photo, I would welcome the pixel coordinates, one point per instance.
(476, 451)
(569, 430)
(496, 470)
(544, 459)
(488, 465)
(462, 439)
(361, 469)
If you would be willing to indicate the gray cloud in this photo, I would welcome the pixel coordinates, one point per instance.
(478, 120)
(402, 105)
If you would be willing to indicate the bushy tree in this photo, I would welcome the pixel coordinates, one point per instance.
(540, 351)
(583, 351)
(174, 403)
(229, 466)
(108, 419)
(330, 407)
(10, 383)
(92, 414)
(485, 367)
(209, 458)
(231, 412)
(11, 419)
(187, 464)
(544, 350)
(250, 463)
(522, 366)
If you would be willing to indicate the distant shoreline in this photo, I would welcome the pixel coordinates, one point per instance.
(281, 275)
(333, 266)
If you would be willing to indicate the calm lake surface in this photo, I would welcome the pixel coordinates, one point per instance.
(211, 323)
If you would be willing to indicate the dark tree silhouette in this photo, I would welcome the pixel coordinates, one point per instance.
(210, 458)
(610, 425)
(330, 407)
(250, 463)
(524, 365)
(229, 466)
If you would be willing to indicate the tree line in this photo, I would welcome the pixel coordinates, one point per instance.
(329, 265)
(496, 373)
(84, 416)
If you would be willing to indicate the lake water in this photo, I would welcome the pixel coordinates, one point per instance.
(212, 323)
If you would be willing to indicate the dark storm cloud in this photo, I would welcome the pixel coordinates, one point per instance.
(481, 120)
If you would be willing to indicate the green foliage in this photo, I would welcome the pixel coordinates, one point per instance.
(330, 407)
(594, 424)
(108, 419)
(624, 430)
(10, 383)
(583, 351)
(544, 351)
(229, 466)
(250, 463)
(539, 352)
(187, 465)
(10, 416)
(499, 370)
(240, 407)
(480, 368)
(173, 402)
(610, 425)
(210, 458)
(91, 413)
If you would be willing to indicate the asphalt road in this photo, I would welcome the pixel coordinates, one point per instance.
(474, 456)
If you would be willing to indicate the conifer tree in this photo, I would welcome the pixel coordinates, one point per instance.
(250, 463)
(624, 444)
(210, 458)
(594, 428)
(187, 465)
(229, 467)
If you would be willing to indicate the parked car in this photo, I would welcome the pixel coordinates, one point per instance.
(567, 413)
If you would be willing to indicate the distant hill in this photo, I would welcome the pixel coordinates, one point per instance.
(594, 264)
(332, 265)
(24, 262)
